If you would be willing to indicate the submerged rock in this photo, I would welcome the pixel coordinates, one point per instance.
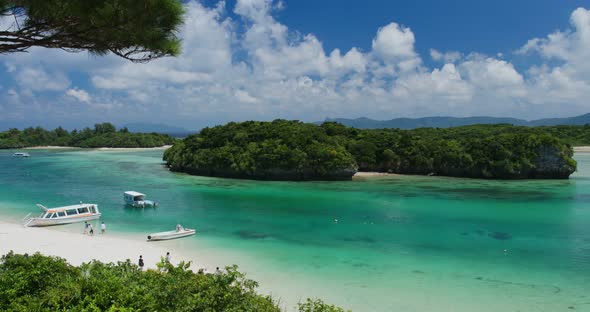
(251, 234)
(500, 235)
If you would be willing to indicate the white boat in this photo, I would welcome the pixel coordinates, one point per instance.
(171, 234)
(64, 215)
(137, 199)
(19, 154)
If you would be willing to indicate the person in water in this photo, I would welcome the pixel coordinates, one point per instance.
(140, 263)
(103, 228)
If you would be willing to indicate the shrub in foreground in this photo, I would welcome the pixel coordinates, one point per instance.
(42, 283)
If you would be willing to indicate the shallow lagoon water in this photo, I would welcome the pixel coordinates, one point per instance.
(399, 243)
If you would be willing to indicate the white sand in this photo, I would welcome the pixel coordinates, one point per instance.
(123, 149)
(49, 147)
(582, 149)
(373, 174)
(78, 248)
(67, 242)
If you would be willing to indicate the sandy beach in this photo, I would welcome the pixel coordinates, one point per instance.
(373, 174)
(582, 149)
(49, 147)
(125, 149)
(122, 149)
(78, 248)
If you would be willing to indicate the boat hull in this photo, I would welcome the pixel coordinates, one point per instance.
(170, 235)
(38, 222)
(143, 204)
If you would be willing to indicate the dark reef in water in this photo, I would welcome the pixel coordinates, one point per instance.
(500, 235)
(245, 234)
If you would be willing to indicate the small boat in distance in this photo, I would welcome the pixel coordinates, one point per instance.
(136, 199)
(178, 233)
(64, 215)
(20, 154)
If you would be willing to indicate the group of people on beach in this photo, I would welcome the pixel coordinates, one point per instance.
(167, 259)
(88, 229)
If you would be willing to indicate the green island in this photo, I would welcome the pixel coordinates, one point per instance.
(103, 135)
(293, 150)
(43, 283)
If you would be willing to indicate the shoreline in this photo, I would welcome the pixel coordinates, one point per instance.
(68, 242)
(371, 174)
(52, 147)
(78, 248)
(581, 149)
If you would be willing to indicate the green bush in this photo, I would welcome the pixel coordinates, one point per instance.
(42, 283)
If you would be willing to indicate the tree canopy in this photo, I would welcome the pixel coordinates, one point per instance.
(135, 30)
(278, 150)
(103, 135)
(263, 150)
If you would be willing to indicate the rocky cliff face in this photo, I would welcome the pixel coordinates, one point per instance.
(552, 163)
(275, 174)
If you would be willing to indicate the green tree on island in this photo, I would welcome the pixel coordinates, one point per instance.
(139, 31)
(103, 135)
(292, 150)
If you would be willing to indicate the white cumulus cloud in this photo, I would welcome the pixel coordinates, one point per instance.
(79, 94)
(246, 64)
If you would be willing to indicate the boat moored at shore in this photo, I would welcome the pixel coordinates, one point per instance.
(64, 215)
(178, 233)
(136, 199)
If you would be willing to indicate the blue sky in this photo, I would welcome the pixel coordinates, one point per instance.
(308, 60)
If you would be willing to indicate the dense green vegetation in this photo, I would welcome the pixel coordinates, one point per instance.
(279, 150)
(103, 135)
(42, 283)
(135, 30)
(297, 151)
(572, 135)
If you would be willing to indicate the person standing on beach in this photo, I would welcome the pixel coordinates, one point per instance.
(168, 257)
(103, 228)
(86, 227)
(91, 232)
(140, 263)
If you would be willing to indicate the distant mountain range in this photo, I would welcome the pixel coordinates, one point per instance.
(446, 122)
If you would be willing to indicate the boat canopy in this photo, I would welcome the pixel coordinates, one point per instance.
(64, 208)
(134, 193)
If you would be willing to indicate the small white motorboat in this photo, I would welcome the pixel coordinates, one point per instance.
(63, 215)
(136, 199)
(178, 233)
(19, 154)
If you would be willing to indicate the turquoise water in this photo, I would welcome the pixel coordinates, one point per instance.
(397, 243)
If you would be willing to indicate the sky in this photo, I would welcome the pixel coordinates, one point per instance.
(309, 60)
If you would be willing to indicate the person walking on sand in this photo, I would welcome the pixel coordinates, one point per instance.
(91, 232)
(218, 271)
(140, 263)
(168, 258)
(85, 227)
(103, 228)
